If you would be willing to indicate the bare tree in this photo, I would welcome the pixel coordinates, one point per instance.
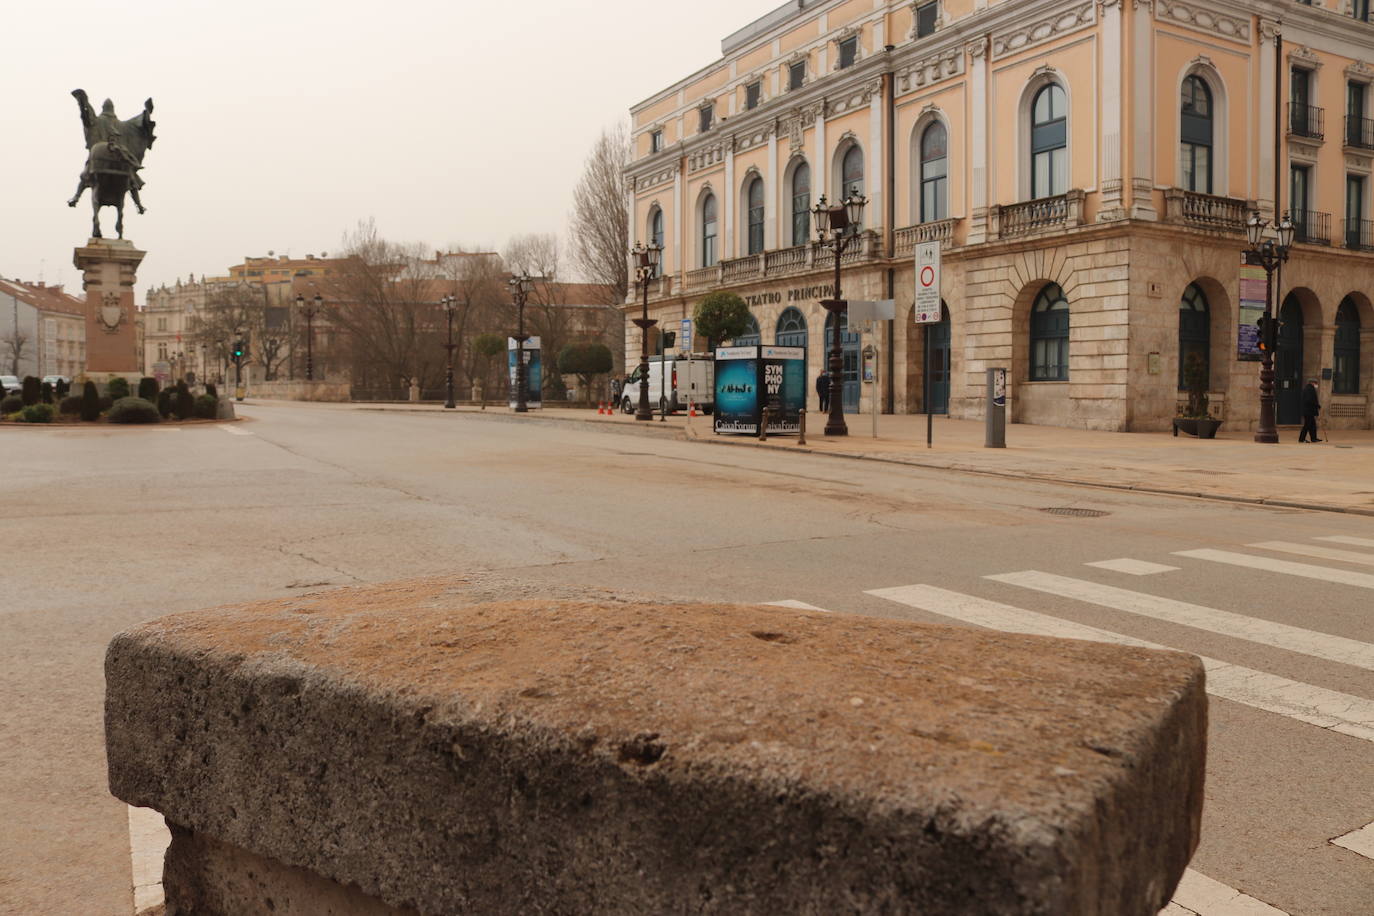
(229, 312)
(477, 282)
(600, 229)
(546, 312)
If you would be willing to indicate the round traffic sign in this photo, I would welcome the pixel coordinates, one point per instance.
(927, 276)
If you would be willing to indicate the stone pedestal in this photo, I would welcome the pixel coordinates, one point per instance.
(108, 271)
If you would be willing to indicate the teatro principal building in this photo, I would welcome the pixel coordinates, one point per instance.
(1087, 167)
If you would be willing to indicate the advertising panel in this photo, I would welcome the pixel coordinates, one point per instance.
(534, 381)
(737, 390)
(784, 386)
(1254, 300)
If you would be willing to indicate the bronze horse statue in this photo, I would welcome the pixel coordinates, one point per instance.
(114, 156)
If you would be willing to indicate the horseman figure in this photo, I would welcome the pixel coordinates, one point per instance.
(114, 156)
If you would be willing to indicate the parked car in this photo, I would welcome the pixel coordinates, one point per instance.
(695, 385)
(10, 385)
(54, 379)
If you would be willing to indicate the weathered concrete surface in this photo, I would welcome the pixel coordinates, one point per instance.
(574, 757)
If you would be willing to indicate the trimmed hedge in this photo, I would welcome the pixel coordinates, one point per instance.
(210, 390)
(45, 392)
(90, 402)
(70, 405)
(117, 387)
(11, 404)
(147, 388)
(207, 407)
(164, 402)
(64, 388)
(36, 413)
(133, 410)
(183, 403)
(31, 391)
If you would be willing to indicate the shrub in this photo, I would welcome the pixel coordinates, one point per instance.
(70, 405)
(117, 388)
(183, 403)
(12, 404)
(133, 410)
(207, 407)
(147, 388)
(36, 413)
(106, 402)
(64, 388)
(31, 391)
(211, 391)
(721, 316)
(1195, 379)
(164, 402)
(90, 402)
(45, 392)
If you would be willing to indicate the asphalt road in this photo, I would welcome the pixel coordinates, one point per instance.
(103, 528)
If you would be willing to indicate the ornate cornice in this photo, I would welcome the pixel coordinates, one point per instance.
(857, 97)
(1360, 71)
(932, 69)
(653, 179)
(706, 156)
(1204, 20)
(1269, 29)
(978, 48)
(1304, 55)
(1038, 31)
(757, 136)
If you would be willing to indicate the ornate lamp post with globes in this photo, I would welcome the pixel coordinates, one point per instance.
(309, 311)
(838, 226)
(646, 268)
(450, 303)
(520, 291)
(1269, 253)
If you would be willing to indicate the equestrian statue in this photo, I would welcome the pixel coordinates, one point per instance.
(114, 156)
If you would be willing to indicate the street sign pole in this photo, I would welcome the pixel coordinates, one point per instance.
(877, 371)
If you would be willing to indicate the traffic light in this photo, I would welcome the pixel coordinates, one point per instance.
(1268, 333)
(238, 350)
(669, 338)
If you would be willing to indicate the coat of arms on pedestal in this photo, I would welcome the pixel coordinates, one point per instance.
(110, 312)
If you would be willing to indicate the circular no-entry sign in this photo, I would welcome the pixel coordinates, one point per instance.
(927, 276)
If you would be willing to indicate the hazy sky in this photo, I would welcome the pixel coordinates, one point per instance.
(280, 125)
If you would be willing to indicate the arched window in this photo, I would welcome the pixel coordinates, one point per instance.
(801, 204)
(1195, 133)
(1345, 371)
(934, 173)
(708, 231)
(851, 177)
(791, 328)
(1194, 332)
(755, 197)
(1049, 142)
(656, 237)
(751, 337)
(1049, 335)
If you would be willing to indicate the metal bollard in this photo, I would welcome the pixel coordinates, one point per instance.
(801, 426)
(763, 424)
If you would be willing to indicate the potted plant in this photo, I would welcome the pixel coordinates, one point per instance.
(1194, 421)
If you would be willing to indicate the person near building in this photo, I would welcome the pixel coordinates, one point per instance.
(1310, 408)
(823, 389)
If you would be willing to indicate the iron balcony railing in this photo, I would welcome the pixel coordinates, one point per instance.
(1312, 227)
(1359, 132)
(1359, 234)
(1020, 219)
(1306, 121)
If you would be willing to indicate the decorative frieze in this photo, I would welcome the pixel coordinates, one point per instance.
(946, 64)
(855, 97)
(1360, 72)
(792, 124)
(705, 157)
(654, 179)
(1205, 20)
(758, 136)
(1039, 31)
(1304, 56)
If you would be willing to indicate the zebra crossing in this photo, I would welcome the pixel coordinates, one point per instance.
(1339, 712)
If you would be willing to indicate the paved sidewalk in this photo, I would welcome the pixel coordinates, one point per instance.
(1335, 475)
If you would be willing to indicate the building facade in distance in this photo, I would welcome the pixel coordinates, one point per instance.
(42, 330)
(1087, 167)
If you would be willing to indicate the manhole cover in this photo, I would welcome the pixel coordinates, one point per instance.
(1075, 513)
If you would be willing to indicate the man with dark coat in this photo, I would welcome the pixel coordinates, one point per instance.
(1310, 408)
(823, 390)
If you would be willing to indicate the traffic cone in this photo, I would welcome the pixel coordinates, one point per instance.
(600, 407)
(691, 409)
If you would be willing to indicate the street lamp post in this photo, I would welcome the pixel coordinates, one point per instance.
(1269, 253)
(838, 226)
(646, 268)
(450, 303)
(520, 291)
(309, 311)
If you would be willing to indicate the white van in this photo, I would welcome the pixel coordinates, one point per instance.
(685, 380)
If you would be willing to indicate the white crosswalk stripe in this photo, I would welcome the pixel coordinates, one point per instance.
(1346, 539)
(1321, 553)
(796, 605)
(234, 430)
(1238, 626)
(1287, 567)
(1197, 893)
(1132, 567)
(1330, 709)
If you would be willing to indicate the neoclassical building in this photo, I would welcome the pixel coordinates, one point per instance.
(1087, 167)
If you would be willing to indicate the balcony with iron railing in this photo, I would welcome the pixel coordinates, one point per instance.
(1311, 227)
(1306, 121)
(1206, 211)
(1359, 234)
(1359, 132)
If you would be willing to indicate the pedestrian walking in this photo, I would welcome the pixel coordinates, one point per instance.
(1310, 408)
(823, 390)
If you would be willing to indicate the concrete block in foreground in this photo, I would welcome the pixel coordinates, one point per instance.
(383, 750)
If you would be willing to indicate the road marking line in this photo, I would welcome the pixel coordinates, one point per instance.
(1197, 893)
(148, 840)
(1306, 570)
(1346, 539)
(1329, 709)
(1132, 567)
(1360, 841)
(168, 429)
(1322, 553)
(234, 430)
(796, 605)
(1239, 626)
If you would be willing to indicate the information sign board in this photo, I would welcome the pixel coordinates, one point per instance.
(751, 378)
(927, 309)
(534, 381)
(1254, 302)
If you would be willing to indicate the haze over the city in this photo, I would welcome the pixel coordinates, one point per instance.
(280, 125)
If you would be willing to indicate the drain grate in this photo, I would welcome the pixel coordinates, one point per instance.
(1075, 513)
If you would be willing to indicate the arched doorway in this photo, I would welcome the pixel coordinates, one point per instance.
(849, 352)
(937, 363)
(1194, 333)
(791, 329)
(1288, 362)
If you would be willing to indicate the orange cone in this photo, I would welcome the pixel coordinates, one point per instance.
(691, 409)
(600, 407)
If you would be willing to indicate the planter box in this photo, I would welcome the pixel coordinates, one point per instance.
(1202, 427)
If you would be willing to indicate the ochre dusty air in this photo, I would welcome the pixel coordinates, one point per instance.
(1124, 240)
